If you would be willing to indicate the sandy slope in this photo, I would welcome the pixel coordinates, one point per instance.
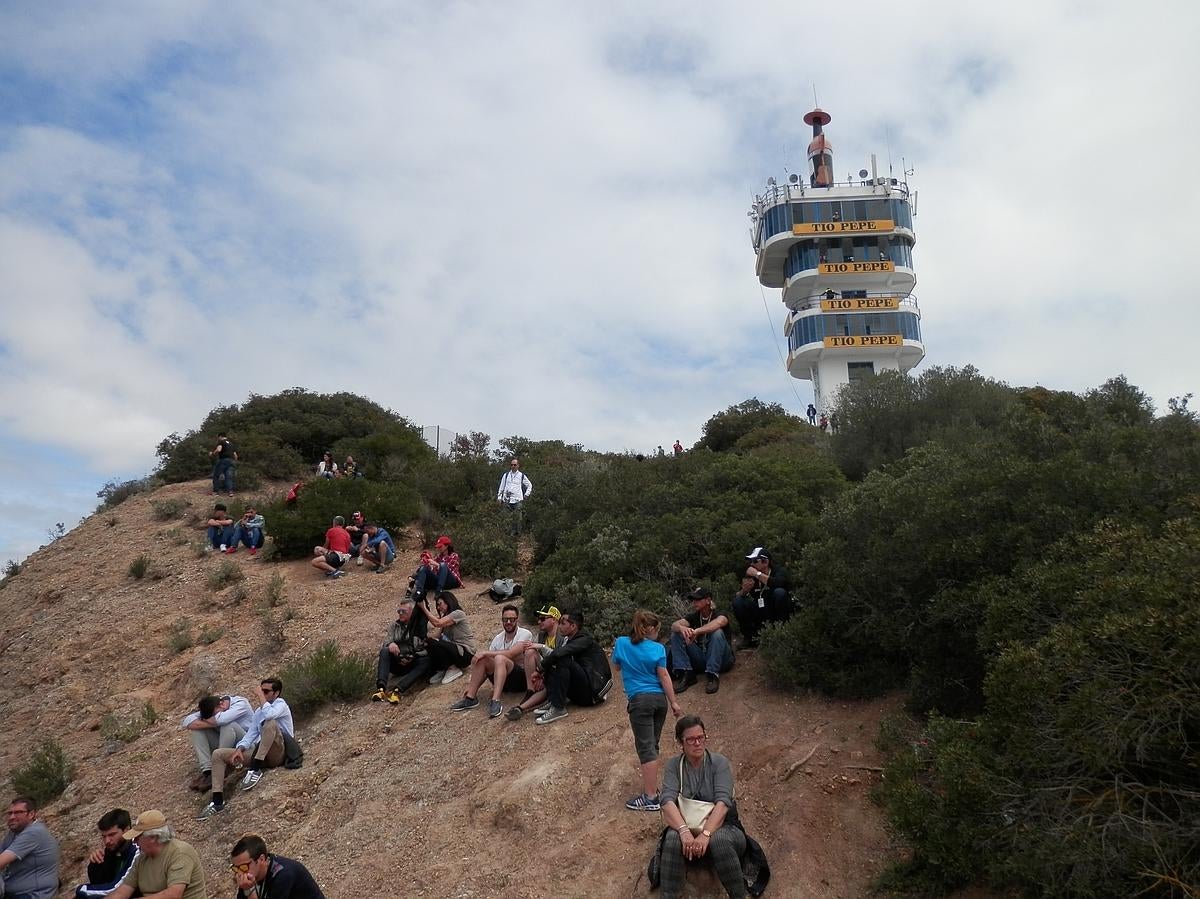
(406, 801)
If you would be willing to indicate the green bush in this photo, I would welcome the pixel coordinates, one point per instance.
(276, 591)
(166, 509)
(128, 730)
(482, 540)
(46, 775)
(297, 528)
(326, 675)
(226, 573)
(210, 635)
(139, 566)
(179, 635)
(114, 493)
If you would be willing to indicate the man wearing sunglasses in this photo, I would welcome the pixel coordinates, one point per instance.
(263, 875)
(501, 662)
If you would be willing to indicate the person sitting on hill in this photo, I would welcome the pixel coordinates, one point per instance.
(357, 529)
(535, 699)
(350, 468)
(700, 642)
(545, 640)
(262, 875)
(501, 662)
(335, 553)
(404, 656)
(576, 669)
(764, 595)
(218, 723)
(378, 548)
(269, 742)
(327, 468)
(29, 854)
(164, 866)
(219, 524)
(248, 530)
(108, 863)
(452, 651)
(444, 571)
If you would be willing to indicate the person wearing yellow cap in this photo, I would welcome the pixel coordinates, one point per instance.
(543, 643)
(164, 866)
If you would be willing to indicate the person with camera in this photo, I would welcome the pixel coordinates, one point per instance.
(404, 656)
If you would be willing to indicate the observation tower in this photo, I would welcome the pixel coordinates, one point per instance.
(842, 253)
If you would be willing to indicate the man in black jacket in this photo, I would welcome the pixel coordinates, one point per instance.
(263, 875)
(108, 864)
(764, 596)
(576, 669)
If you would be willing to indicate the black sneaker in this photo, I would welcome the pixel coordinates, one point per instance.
(713, 685)
(515, 713)
(682, 680)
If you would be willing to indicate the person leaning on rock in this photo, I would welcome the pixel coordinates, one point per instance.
(28, 854)
(108, 863)
(165, 868)
(262, 875)
(218, 723)
(269, 742)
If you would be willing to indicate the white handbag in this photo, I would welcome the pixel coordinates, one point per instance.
(695, 811)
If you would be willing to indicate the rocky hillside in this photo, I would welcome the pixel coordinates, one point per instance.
(406, 801)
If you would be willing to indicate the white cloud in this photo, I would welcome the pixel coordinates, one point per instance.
(530, 218)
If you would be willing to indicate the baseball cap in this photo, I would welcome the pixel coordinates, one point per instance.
(700, 593)
(443, 541)
(758, 553)
(147, 820)
(550, 612)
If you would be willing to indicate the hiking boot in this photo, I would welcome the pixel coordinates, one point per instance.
(250, 781)
(643, 803)
(465, 704)
(202, 782)
(495, 709)
(393, 698)
(682, 680)
(437, 677)
(379, 695)
(554, 713)
(714, 684)
(515, 713)
(209, 810)
(451, 675)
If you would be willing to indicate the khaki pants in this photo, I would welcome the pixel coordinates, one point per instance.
(205, 742)
(269, 751)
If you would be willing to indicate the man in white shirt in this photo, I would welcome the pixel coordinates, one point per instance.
(218, 723)
(266, 742)
(515, 488)
(501, 662)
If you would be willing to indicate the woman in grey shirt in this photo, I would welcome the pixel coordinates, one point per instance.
(708, 777)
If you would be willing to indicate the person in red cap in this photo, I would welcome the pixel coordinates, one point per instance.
(443, 571)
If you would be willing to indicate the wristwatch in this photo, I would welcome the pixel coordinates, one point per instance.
(705, 833)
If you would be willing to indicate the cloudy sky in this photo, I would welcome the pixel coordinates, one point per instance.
(530, 218)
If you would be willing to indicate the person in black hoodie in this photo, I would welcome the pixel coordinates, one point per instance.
(576, 669)
(108, 864)
(765, 595)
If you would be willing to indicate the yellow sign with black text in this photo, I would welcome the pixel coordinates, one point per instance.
(870, 340)
(855, 268)
(860, 304)
(868, 227)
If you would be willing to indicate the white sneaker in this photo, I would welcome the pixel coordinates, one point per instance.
(358, 561)
(451, 675)
(437, 677)
(222, 547)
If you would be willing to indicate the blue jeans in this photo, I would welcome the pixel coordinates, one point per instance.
(218, 536)
(252, 537)
(445, 578)
(715, 657)
(223, 471)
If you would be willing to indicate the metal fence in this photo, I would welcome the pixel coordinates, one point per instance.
(441, 439)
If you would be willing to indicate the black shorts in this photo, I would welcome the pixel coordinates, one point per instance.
(334, 560)
(515, 682)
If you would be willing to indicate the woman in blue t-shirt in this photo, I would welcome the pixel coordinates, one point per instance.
(643, 663)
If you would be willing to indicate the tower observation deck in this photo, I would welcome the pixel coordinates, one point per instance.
(842, 253)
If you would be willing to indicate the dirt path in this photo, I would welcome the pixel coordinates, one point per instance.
(405, 801)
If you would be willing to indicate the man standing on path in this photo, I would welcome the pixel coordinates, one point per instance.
(262, 875)
(515, 488)
(28, 854)
(678, 448)
(164, 866)
(226, 459)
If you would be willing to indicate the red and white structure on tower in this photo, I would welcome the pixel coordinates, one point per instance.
(841, 251)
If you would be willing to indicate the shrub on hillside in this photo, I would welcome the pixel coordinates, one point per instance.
(295, 529)
(166, 509)
(226, 573)
(722, 432)
(326, 675)
(126, 730)
(46, 775)
(114, 493)
(481, 538)
(139, 566)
